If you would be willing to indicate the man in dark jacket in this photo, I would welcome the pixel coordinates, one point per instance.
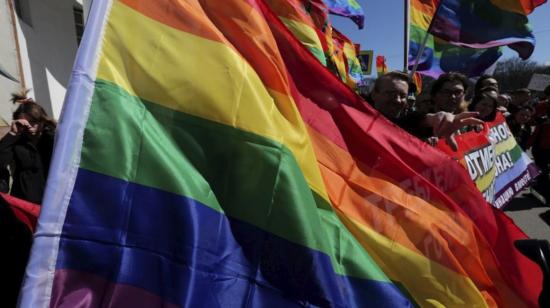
(389, 97)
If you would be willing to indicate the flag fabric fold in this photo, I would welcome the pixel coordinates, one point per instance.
(230, 176)
(459, 22)
(440, 56)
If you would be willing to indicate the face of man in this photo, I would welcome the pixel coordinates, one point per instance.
(390, 98)
(490, 83)
(520, 99)
(449, 97)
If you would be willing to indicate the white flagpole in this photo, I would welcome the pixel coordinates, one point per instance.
(406, 31)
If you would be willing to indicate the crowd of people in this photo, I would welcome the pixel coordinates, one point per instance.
(452, 107)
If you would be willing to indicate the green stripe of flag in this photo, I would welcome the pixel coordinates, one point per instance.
(244, 175)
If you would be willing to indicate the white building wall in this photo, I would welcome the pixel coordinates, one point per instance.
(48, 48)
(8, 62)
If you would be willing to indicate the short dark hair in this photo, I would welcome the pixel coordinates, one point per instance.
(453, 76)
(478, 87)
(547, 91)
(391, 76)
(521, 91)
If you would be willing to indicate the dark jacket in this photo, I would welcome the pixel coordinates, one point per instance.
(29, 164)
(521, 132)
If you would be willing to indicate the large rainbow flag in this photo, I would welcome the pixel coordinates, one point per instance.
(439, 56)
(200, 164)
(484, 24)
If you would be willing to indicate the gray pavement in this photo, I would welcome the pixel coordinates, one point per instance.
(526, 210)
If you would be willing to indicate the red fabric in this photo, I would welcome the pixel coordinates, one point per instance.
(348, 121)
(25, 211)
(466, 143)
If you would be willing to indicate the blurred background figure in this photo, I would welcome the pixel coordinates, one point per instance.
(26, 150)
(503, 102)
(520, 98)
(486, 83)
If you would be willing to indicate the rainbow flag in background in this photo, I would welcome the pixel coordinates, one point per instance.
(318, 11)
(381, 67)
(483, 24)
(439, 56)
(347, 8)
(348, 49)
(229, 175)
(335, 54)
(299, 21)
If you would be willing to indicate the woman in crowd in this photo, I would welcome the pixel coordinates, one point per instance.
(485, 103)
(27, 150)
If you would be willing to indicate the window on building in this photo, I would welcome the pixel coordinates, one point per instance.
(23, 11)
(78, 21)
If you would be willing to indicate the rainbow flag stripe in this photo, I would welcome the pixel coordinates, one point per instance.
(199, 164)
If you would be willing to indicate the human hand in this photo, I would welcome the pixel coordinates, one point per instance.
(19, 126)
(445, 124)
(432, 141)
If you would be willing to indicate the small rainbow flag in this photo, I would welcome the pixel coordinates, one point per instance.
(347, 8)
(302, 24)
(381, 67)
(348, 50)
